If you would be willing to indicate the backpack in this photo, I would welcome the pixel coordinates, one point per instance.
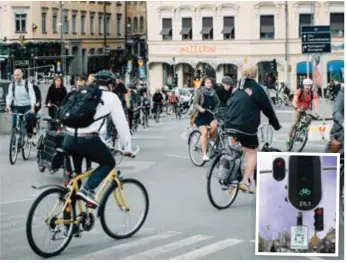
(172, 99)
(79, 107)
(302, 91)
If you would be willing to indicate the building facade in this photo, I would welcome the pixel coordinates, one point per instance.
(215, 38)
(88, 27)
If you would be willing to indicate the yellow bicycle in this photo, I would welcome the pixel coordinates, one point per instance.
(62, 221)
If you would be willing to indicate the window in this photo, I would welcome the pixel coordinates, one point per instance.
(142, 2)
(135, 24)
(101, 24)
(55, 23)
(337, 24)
(92, 22)
(44, 23)
(108, 25)
(21, 23)
(166, 31)
(129, 25)
(304, 20)
(142, 24)
(186, 31)
(267, 28)
(119, 24)
(207, 28)
(83, 23)
(74, 25)
(229, 27)
(66, 24)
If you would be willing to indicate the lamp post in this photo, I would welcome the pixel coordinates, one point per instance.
(62, 44)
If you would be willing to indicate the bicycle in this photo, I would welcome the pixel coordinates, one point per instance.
(157, 111)
(213, 147)
(66, 218)
(300, 132)
(19, 139)
(234, 175)
(38, 117)
(145, 116)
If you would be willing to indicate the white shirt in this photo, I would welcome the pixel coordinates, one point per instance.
(113, 106)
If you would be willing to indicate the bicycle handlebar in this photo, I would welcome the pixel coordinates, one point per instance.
(126, 154)
(20, 114)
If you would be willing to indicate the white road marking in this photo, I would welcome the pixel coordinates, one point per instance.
(128, 244)
(148, 137)
(209, 249)
(177, 156)
(284, 111)
(18, 201)
(155, 252)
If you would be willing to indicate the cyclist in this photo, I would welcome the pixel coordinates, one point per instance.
(85, 142)
(158, 100)
(173, 101)
(223, 92)
(304, 98)
(37, 105)
(21, 99)
(55, 95)
(205, 97)
(121, 91)
(146, 104)
(134, 102)
(243, 115)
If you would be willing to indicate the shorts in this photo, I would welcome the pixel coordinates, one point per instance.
(249, 141)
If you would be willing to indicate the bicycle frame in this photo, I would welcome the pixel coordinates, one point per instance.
(73, 186)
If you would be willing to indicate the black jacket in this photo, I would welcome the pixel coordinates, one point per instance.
(244, 110)
(338, 114)
(223, 94)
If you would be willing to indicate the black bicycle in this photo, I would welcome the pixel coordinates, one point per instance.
(19, 139)
(227, 166)
(300, 133)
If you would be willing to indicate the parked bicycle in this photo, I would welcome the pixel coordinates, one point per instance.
(300, 133)
(19, 139)
(68, 214)
(226, 171)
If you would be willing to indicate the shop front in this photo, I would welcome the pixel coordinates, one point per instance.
(301, 72)
(335, 70)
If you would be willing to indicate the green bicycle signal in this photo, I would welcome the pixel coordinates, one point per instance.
(304, 192)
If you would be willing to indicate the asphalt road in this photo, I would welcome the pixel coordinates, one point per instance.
(181, 223)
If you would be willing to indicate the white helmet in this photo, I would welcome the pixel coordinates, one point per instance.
(307, 82)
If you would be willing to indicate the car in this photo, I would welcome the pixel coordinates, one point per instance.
(185, 94)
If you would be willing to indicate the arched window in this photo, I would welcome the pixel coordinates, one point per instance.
(135, 24)
(142, 25)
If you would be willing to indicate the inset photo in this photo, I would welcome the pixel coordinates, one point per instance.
(297, 208)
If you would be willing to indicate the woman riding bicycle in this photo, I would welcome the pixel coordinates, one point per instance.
(205, 98)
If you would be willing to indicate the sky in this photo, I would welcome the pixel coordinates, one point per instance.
(281, 215)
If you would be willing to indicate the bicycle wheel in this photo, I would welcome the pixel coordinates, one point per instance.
(194, 148)
(300, 140)
(26, 149)
(228, 193)
(39, 155)
(55, 232)
(108, 217)
(13, 153)
(278, 102)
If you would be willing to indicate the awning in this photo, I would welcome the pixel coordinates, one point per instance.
(185, 30)
(335, 66)
(206, 30)
(227, 29)
(301, 68)
(165, 31)
(267, 29)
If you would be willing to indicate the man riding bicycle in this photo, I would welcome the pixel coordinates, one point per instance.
(157, 101)
(304, 99)
(21, 99)
(85, 141)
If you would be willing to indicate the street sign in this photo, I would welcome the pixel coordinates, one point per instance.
(315, 39)
(299, 237)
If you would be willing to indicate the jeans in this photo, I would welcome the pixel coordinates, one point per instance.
(29, 117)
(94, 150)
(295, 119)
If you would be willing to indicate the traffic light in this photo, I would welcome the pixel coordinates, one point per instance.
(279, 169)
(274, 65)
(175, 81)
(318, 219)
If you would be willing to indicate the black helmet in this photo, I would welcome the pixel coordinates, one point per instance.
(227, 80)
(104, 77)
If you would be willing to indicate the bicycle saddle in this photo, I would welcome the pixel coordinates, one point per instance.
(304, 182)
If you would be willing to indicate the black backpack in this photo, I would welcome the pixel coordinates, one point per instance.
(79, 107)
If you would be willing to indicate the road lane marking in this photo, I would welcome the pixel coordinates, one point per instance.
(177, 156)
(155, 252)
(209, 249)
(18, 201)
(129, 244)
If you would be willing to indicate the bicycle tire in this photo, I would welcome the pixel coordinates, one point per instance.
(184, 111)
(26, 143)
(40, 153)
(209, 192)
(107, 194)
(29, 234)
(13, 140)
(289, 149)
(305, 139)
(189, 149)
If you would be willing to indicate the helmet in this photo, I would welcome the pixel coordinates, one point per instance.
(307, 82)
(227, 80)
(104, 77)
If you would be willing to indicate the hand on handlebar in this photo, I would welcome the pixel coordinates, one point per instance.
(202, 110)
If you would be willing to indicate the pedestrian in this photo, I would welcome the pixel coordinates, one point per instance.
(56, 94)
(21, 99)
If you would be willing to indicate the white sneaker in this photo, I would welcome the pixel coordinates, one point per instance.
(205, 158)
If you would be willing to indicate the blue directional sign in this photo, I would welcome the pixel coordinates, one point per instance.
(315, 39)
